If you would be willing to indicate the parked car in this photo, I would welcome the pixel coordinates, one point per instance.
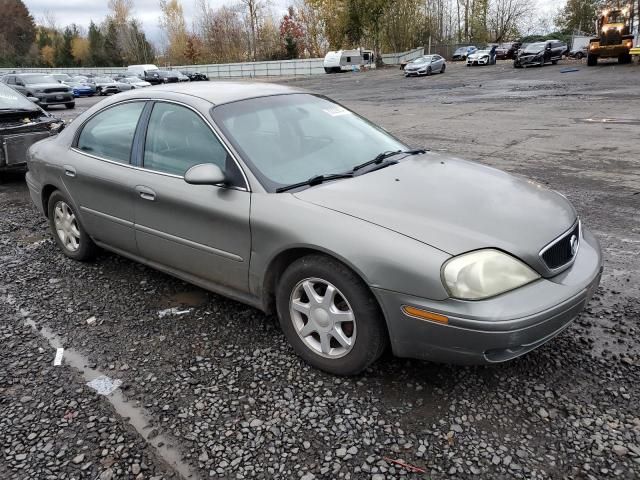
(540, 53)
(168, 76)
(135, 82)
(479, 57)
(506, 51)
(195, 76)
(41, 89)
(106, 85)
(462, 53)
(81, 89)
(181, 76)
(21, 124)
(61, 77)
(425, 65)
(141, 71)
(579, 53)
(254, 191)
(123, 86)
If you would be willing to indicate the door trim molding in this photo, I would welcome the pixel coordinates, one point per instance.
(106, 216)
(189, 243)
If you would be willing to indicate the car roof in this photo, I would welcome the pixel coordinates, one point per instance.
(218, 92)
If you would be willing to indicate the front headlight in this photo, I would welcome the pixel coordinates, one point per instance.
(38, 90)
(484, 273)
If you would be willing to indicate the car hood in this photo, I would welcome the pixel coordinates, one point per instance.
(453, 205)
(479, 54)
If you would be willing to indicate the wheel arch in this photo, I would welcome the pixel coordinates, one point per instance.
(47, 191)
(279, 263)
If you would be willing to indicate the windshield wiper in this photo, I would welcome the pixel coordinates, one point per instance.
(317, 180)
(378, 159)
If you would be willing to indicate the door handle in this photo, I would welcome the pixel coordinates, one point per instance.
(69, 171)
(146, 193)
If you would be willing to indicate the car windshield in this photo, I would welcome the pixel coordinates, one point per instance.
(286, 139)
(534, 47)
(422, 60)
(461, 50)
(10, 99)
(103, 79)
(131, 79)
(34, 79)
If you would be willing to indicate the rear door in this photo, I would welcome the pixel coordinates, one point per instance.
(200, 231)
(97, 173)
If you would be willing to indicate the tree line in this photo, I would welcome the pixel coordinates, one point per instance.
(250, 30)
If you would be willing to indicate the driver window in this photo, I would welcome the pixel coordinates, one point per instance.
(177, 139)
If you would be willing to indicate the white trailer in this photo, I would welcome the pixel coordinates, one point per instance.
(347, 60)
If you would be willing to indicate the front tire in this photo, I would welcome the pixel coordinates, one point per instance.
(67, 230)
(329, 316)
(592, 60)
(444, 67)
(428, 71)
(70, 105)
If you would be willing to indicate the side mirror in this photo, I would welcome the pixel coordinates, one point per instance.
(34, 99)
(205, 174)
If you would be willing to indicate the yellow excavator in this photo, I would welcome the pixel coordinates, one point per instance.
(615, 39)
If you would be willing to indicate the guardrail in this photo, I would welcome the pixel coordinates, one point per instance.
(276, 68)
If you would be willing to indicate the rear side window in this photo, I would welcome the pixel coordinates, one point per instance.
(110, 133)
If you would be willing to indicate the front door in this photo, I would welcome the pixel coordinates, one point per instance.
(97, 172)
(200, 231)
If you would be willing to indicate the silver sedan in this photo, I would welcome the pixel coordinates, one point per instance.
(293, 204)
(425, 65)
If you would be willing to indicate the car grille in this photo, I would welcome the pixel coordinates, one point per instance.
(562, 251)
(611, 37)
(56, 90)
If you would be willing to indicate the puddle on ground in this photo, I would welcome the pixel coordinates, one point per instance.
(614, 121)
(190, 298)
(135, 416)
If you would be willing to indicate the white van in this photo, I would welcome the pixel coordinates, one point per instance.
(140, 71)
(346, 60)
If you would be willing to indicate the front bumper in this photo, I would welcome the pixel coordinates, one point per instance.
(55, 98)
(477, 61)
(415, 73)
(500, 328)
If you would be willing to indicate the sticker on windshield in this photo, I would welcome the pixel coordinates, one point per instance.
(337, 111)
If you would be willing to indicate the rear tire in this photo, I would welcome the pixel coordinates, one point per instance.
(366, 336)
(67, 230)
(625, 58)
(592, 60)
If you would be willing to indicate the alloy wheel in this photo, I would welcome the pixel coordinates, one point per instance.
(66, 226)
(322, 318)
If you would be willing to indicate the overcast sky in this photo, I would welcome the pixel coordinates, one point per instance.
(81, 12)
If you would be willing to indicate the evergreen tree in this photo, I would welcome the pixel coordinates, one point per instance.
(64, 52)
(112, 53)
(96, 46)
(579, 16)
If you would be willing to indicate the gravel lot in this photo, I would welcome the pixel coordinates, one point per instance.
(214, 388)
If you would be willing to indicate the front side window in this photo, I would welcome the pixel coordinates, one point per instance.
(110, 133)
(285, 139)
(177, 139)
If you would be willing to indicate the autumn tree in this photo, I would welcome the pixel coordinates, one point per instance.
(174, 29)
(17, 31)
(291, 34)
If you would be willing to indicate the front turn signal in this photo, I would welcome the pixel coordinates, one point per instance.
(424, 314)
